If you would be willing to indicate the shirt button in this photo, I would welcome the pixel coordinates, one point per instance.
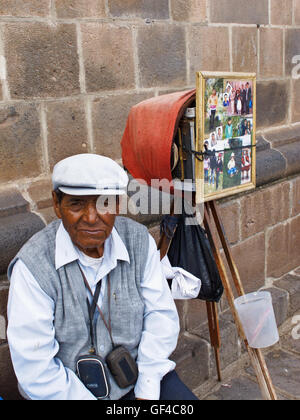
(102, 348)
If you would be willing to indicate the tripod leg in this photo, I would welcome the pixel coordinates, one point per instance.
(226, 248)
(214, 331)
(255, 355)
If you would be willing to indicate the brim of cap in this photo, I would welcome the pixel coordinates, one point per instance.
(90, 191)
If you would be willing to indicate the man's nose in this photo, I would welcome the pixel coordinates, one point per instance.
(90, 214)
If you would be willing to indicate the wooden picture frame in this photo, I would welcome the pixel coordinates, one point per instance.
(226, 132)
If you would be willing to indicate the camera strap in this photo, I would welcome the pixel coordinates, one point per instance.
(92, 308)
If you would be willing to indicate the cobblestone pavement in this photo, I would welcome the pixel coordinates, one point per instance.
(283, 361)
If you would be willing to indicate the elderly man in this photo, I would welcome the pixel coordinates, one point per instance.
(90, 312)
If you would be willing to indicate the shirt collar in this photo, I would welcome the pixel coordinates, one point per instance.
(65, 251)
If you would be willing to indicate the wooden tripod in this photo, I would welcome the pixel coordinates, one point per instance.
(211, 216)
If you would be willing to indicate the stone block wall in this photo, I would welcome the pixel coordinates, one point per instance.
(70, 70)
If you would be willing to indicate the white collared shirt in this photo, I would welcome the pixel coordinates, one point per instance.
(31, 333)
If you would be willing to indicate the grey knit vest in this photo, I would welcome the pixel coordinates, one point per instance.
(66, 287)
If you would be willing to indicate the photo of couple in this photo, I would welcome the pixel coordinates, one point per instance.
(229, 135)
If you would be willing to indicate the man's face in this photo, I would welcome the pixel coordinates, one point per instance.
(87, 228)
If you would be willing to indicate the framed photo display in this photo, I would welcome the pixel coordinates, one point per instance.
(226, 127)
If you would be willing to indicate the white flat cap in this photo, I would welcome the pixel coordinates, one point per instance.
(89, 174)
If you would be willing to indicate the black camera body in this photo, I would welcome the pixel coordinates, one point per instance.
(92, 371)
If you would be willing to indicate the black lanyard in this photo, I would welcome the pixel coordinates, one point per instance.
(92, 308)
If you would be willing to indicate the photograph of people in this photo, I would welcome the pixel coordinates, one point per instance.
(219, 168)
(239, 105)
(206, 168)
(213, 141)
(249, 128)
(243, 127)
(219, 133)
(228, 88)
(226, 101)
(248, 97)
(213, 168)
(231, 167)
(229, 129)
(245, 131)
(240, 98)
(232, 101)
(213, 104)
(246, 165)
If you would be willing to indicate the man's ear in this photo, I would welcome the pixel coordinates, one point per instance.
(56, 204)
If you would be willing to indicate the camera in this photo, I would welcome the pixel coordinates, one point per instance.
(122, 366)
(93, 374)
